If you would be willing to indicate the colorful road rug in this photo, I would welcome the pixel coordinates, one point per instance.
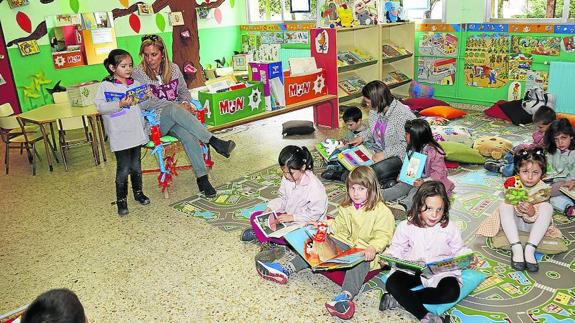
(506, 296)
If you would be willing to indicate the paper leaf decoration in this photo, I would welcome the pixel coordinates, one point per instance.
(75, 5)
(160, 21)
(232, 3)
(135, 23)
(125, 3)
(24, 22)
(218, 15)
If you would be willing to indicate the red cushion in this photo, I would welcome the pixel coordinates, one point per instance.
(495, 111)
(451, 164)
(416, 104)
(337, 276)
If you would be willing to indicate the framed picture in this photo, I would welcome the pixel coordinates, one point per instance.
(412, 168)
(299, 6)
(145, 9)
(176, 18)
(28, 47)
(17, 3)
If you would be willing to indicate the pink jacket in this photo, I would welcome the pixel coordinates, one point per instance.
(435, 167)
(307, 201)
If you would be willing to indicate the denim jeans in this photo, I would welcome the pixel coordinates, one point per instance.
(183, 125)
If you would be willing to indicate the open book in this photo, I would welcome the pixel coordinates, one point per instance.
(412, 168)
(448, 264)
(355, 156)
(138, 93)
(570, 193)
(331, 253)
(271, 227)
(328, 149)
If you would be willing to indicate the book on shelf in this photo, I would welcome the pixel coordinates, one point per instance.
(323, 251)
(271, 227)
(347, 86)
(412, 167)
(138, 94)
(362, 55)
(348, 58)
(448, 264)
(399, 76)
(390, 51)
(355, 156)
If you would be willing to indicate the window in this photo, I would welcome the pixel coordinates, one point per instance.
(424, 9)
(276, 11)
(529, 9)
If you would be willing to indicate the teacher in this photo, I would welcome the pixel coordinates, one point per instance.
(167, 83)
(386, 130)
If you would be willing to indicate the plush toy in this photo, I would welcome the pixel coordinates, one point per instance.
(345, 16)
(418, 90)
(392, 11)
(491, 146)
(535, 98)
(514, 191)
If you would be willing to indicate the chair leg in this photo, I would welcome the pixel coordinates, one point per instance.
(7, 157)
(34, 160)
(63, 148)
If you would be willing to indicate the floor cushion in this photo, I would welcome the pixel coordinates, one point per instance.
(567, 116)
(452, 133)
(548, 245)
(495, 111)
(455, 151)
(436, 121)
(515, 112)
(297, 127)
(416, 104)
(443, 111)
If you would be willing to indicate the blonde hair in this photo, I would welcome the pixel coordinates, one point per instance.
(366, 177)
(165, 65)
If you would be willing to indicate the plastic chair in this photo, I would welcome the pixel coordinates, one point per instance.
(12, 132)
(69, 138)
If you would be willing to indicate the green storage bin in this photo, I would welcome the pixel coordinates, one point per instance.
(229, 106)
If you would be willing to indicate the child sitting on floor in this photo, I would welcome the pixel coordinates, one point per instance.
(561, 156)
(364, 222)
(352, 117)
(420, 139)
(542, 119)
(56, 305)
(427, 235)
(302, 197)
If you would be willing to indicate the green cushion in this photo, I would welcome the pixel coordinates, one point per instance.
(150, 143)
(455, 151)
(547, 245)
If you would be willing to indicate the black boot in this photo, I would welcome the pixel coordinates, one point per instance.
(223, 148)
(121, 200)
(137, 189)
(205, 187)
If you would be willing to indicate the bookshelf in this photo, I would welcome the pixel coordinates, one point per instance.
(402, 36)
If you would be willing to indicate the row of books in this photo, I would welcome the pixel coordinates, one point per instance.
(351, 84)
(352, 57)
(395, 77)
(390, 51)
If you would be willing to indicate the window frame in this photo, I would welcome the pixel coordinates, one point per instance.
(563, 20)
(436, 21)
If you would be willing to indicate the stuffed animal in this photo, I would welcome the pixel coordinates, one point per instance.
(535, 98)
(491, 146)
(345, 16)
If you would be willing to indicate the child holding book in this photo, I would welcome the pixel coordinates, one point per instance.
(302, 197)
(124, 125)
(363, 221)
(427, 235)
(561, 155)
(352, 117)
(420, 139)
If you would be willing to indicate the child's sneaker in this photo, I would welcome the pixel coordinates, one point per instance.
(570, 212)
(272, 271)
(493, 166)
(341, 306)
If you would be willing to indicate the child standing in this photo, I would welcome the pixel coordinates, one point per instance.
(427, 235)
(420, 139)
(561, 156)
(533, 217)
(352, 117)
(302, 196)
(363, 221)
(542, 118)
(124, 125)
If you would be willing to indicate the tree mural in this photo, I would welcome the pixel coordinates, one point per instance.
(185, 38)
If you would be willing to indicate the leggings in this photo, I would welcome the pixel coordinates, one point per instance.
(400, 283)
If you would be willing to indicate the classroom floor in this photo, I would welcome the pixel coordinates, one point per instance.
(162, 264)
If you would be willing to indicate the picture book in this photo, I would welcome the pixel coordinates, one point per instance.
(448, 264)
(356, 156)
(348, 58)
(347, 86)
(328, 149)
(271, 227)
(412, 168)
(398, 76)
(390, 51)
(351, 83)
(570, 193)
(323, 251)
(362, 55)
(138, 93)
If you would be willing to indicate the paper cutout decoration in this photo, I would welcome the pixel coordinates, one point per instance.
(322, 42)
(57, 88)
(145, 9)
(218, 15)
(75, 5)
(28, 47)
(514, 92)
(125, 3)
(24, 22)
(176, 18)
(17, 3)
(160, 22)
(135, 23)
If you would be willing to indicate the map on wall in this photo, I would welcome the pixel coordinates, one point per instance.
(519, 64)
(437, 70)
(486, 60)
(438, 44)
(549, 46)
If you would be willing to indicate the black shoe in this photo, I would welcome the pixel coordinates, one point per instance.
(122, 206)
(205, 187)
(331, 175)
(532, 268)
(141, 198)
(517, 265)
(222, 147)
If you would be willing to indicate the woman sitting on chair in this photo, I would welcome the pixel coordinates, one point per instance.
(167, 82)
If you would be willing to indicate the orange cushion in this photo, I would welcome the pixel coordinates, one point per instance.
(443, 111)
(570, 117)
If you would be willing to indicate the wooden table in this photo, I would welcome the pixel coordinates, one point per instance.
(50, 113)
